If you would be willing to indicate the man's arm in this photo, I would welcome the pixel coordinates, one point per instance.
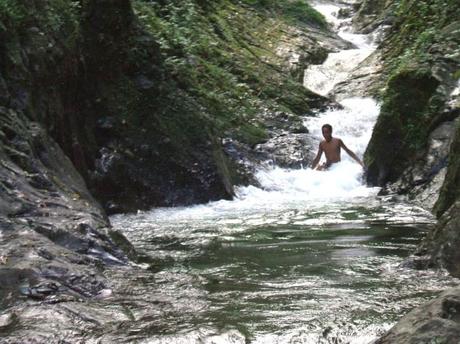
(350, 153)
(317, 158)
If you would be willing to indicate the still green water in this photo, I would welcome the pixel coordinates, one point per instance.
(274, 272)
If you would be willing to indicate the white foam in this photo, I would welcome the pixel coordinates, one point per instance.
(455, 96)
(329, 11)
(286, 189)
(353, 124)
(322, 78)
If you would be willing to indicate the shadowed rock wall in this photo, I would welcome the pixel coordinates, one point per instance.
(414, 148)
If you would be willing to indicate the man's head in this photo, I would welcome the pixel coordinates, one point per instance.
(327, 132)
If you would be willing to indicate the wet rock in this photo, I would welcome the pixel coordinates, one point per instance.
(54, 239)
(12, 280)
(39, 292)
(391, 150)
(362, 81)
(417, 262)
(344, 13)
(103, 294)
(20, 100)
(63, 238)
(288, 151)
(424, 179)
(7, 320)
(4, 93)
(441, 244)
(371, 14)
(435, 321)
(158, 176)
(288, 145)
(105, 125)
(450, 188)
(42, 252)
(300, 48)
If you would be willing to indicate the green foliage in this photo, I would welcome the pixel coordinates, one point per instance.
(12, 11)
(296, 11)
(457, 74)
(419, 25)
(223, 58)
(300, 11)
(49, 15)
(252, 134)
(217, 58)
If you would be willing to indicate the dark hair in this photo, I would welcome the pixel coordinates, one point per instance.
(328, 126)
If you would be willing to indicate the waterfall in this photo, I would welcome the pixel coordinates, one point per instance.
(322, 78)
(353, 124)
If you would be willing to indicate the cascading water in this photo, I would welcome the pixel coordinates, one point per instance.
(322, 78)
(308, 257)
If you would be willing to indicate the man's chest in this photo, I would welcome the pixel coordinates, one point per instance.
(332, 146)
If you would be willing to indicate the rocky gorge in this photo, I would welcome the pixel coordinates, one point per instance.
(118, 106)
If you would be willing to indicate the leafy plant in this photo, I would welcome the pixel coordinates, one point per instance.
(12, 11)
(223, 57)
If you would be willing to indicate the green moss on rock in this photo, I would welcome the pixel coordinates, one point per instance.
(420, 53)
(401, 128)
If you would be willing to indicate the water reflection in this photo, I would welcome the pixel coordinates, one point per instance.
(298, 272)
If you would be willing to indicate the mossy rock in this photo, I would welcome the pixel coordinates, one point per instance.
(450, 190)
(401, 129)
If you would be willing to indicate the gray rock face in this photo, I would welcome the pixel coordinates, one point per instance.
(423, 181)
(441, 245)
(438, 321)
(288, 151)
(372, 14)
(54, 238)
(362, 80)
(300, 48)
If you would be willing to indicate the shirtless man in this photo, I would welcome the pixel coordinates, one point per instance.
(331, 147)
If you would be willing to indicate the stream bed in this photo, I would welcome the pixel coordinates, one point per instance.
(306, 257)
(275, 270)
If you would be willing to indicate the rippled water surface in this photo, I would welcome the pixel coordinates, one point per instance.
(232, 272)
(307, 257)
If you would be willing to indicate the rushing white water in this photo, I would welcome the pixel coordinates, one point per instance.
(282, 188)
(322, 78)
(455, 96)
(353, 124)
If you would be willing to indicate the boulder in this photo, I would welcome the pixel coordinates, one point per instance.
(437, 321)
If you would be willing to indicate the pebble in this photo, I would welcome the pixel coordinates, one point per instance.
(104, 293)
(6, 319)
